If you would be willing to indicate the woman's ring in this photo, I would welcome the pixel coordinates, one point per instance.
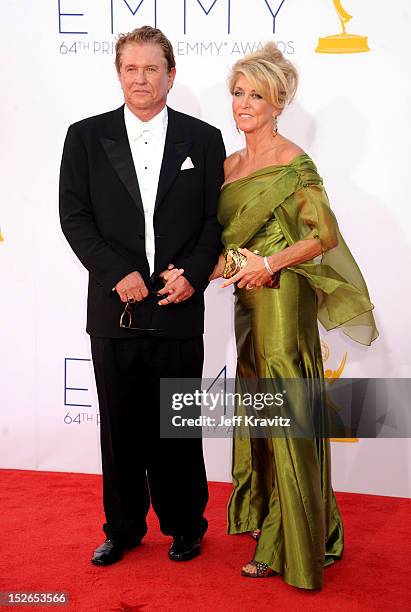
(249, 286)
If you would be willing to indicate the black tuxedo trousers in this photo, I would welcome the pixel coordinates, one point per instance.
(138, 465)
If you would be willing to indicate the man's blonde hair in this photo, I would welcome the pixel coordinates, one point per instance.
(142, 36)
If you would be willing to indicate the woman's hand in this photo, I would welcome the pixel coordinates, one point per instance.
(253, 275)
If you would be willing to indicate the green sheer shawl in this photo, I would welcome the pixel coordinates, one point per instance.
(295, 195)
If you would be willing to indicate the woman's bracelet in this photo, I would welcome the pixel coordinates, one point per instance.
(267, 267)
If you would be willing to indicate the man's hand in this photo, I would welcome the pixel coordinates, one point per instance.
(177, 290)
(171, 273)
(131, 287)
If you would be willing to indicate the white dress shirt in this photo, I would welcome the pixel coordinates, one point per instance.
(147, 139)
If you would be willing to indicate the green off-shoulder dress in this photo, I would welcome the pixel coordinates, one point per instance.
(282, 485)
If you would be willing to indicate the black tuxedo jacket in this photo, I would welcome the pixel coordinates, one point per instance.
(102, 218)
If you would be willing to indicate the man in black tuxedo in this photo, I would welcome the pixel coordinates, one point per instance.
(138, 190)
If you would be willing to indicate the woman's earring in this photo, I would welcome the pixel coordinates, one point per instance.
(275, 126)
(237, 128)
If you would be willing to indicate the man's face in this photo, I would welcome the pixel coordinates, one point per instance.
(145, 79)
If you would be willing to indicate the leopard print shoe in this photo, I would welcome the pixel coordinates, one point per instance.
(261, 570)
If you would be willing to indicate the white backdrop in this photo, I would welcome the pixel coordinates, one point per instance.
(349, 115)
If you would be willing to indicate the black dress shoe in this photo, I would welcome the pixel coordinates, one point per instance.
(184, 548)
(110, 552)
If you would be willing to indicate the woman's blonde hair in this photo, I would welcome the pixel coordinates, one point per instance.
(270, 74)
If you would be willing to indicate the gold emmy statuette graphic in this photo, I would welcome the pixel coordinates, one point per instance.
(332, 375)
(342, 43)
(1, 237)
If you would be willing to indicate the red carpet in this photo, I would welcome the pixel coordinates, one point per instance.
(51, 523)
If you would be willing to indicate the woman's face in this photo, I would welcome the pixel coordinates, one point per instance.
(250, 111)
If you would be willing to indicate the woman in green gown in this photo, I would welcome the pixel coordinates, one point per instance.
(275, 213)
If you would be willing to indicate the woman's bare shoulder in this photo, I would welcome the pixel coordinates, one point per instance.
(231, 162)
(287, 151)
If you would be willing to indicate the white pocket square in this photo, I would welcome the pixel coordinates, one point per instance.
(187, 164)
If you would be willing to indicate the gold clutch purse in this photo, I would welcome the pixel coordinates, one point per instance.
(234, 262)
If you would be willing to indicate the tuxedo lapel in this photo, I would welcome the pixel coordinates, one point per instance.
(118, 151)
(175, 151)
